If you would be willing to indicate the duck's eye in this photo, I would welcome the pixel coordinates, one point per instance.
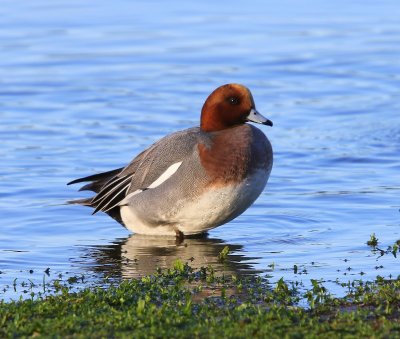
(234, 101)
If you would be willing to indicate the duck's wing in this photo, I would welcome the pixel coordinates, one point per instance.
(148, 170)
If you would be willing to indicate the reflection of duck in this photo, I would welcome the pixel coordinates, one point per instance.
(140, 255)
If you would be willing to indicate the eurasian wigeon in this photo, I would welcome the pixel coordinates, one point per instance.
(193, 180)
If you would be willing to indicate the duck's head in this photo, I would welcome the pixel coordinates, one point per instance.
(227, 106)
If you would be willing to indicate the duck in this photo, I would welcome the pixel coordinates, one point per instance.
(193, 180)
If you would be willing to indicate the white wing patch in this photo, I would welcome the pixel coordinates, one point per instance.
(166, 175)
(163, 177)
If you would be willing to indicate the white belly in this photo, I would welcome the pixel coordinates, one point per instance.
(214, 208)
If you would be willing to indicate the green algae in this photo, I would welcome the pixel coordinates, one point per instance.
(183, 302)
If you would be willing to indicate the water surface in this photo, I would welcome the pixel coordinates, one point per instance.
(85, 86)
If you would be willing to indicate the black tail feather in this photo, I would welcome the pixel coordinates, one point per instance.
(98, 177)
(84, 202)
(93, 186)
(98, 181)
(113, 213)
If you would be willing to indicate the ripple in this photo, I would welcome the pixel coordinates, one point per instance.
(82, 92)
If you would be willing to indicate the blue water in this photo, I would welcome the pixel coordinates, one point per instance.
(86, 85)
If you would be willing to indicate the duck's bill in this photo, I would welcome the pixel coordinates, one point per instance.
(257, 117)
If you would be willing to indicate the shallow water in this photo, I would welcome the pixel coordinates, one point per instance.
(84, 87)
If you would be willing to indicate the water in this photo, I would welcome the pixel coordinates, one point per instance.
(85, 86)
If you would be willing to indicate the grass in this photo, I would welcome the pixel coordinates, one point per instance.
(181, 302)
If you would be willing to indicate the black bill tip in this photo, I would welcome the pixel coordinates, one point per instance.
(268, 123)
